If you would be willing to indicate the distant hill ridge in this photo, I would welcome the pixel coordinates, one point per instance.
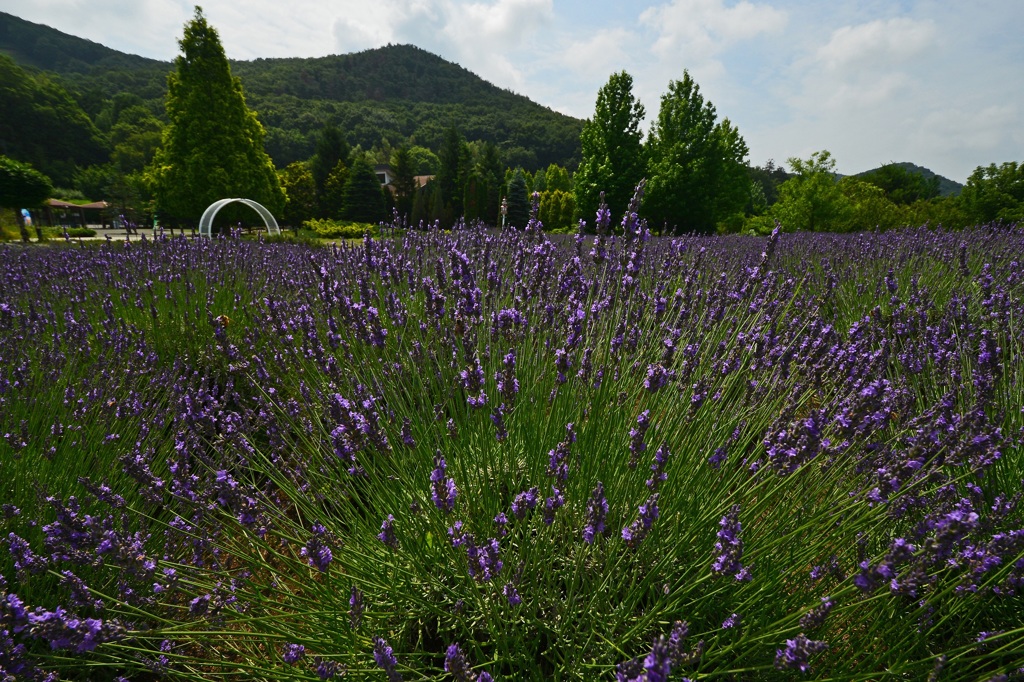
(394, 92)
(947, 187)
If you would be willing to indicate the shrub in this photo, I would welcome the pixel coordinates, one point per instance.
(336, 229)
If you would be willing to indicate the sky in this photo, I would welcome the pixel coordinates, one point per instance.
(939, 83)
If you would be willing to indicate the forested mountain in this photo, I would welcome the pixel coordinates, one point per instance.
(394, 93)
(947, 187)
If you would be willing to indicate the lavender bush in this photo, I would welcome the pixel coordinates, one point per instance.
(474, 455)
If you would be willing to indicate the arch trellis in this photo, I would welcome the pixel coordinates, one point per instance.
(206, 222)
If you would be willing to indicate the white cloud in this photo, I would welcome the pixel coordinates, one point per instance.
(876, 45)
(605, 52)
(699, 29)
(501, 25)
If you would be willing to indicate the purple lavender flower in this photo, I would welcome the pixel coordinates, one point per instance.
(326, 668)
(636, 438)
(512, 594)
(293, 653)
(385, 659)
(558, 465)
(635, 533)
(551, 505)
(486, 557)
(198, 606)
(658, 663)
(387, 532)
(316, 551)
(442, 489)
(654, 667)
(455, 663)
(658, 377)
(355, 608)
(498, 419)
(797, 652)
(407, 433)
(597, 512)
(25, 561)
(732, 621)
(658, 474)
(816, 616)
(730, 547)
(524, 502)
(66, 631)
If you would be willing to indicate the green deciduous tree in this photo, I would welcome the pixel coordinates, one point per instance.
(902, 186)
(22, 186)
(213, 143)
(300, 190)
(424, 161)
(612, 149)
(812, 200)
(995, 193)
(696, 169)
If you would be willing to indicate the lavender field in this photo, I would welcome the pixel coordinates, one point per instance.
(474, 455)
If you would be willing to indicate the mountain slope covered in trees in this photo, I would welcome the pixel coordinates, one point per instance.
(947, 187)
(381, 96)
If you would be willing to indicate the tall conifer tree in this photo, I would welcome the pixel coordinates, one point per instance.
(612, 149)
(696, 166)
(213, 145)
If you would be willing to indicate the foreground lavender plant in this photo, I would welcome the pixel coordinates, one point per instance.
(222, 429)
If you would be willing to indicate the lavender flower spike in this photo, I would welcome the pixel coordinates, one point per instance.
(442, 489)
(730, 547)
(385, 659)
(387, 532)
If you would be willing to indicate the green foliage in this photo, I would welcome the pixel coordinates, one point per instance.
(420, 213)
(363, 196)
(902, 186)
(22, 186)
(42, 125)
(518, 200)
(612, 150)
(300, 190)
(696, 167)
(451, 176)
(9, 225)
(423, 161)
(331, 148)
(404, 183)
(213, 144)
(331, 198)
(135, 138)
(340, 229)
(815, 200)
(812, 200)
(869, 207)
(475, 197)
(557, 178)
(557, 210)
(765, 181)
(995, 193)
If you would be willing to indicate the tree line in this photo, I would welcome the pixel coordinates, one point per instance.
(206, 143)
(698, 178)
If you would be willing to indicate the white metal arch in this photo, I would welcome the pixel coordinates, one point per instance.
(206, 222)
